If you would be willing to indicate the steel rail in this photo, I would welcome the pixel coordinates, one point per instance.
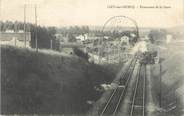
(142, 69)
(112, 95)
(125, 75)
(144, 90)
(124, 90)
(135, 91)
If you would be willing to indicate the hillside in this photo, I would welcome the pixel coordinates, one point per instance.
(172, 79)
(37, 83)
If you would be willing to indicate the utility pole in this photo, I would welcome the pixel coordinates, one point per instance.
(99, 53)
(119, 53)
(160, 79)
(183, 10)
(51, 44)
(25, 25)
(108, 54)
(60, 45)
(1, 9)
(160, 102)
(36, 37)
(15, 41)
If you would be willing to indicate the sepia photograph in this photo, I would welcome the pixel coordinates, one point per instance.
(92, 57)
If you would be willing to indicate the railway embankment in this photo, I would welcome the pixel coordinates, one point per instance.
(49, 83)
(168, 84)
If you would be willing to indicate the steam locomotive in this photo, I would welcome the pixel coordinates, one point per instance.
(149, 57)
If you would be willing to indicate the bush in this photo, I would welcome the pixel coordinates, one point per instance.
(81, 54)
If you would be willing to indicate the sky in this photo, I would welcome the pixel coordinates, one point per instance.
(94, 12)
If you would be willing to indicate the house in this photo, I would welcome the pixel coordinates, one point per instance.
(81, 38)
(91, 36)
(169, 38)
(18, 38)
(125, 40)
(88, 37)
(61, 38)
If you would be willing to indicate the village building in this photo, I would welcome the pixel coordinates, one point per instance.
(125, 40)
(19, 38)
(169, 38)
(61, 38)
(81, 38)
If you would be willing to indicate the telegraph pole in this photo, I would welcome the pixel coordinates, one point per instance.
(51, 44)
(36, 38)
(160, 102)
(119, 53)
(15, 41)
(160, 80)
(1, 9)
(1, 15)
(25, 25)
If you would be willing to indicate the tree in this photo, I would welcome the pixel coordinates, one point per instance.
(71, 38)
(81, 54)
(156, 35)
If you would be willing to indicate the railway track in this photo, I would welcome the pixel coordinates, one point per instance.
(137, 107)
(112, 105)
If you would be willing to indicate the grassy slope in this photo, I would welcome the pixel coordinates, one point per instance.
(172, 77)
(41, 83)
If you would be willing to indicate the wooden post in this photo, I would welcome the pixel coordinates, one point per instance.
(25, 25)
(51, 44)
(15, 41)
(160, 102)
(36, 38)
(119, 53)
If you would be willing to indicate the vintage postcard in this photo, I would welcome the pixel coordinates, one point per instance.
(92, 57)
